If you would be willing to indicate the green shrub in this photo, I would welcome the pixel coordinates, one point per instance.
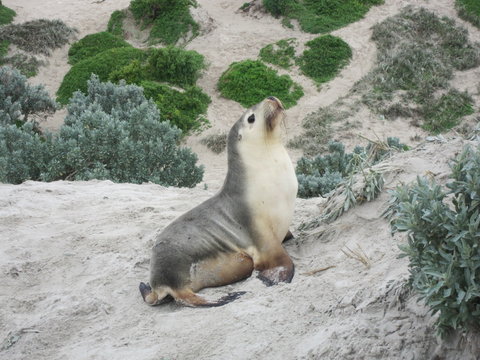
(443, 242)
(469, 10)
(170, 20)
(320, 16)
(326, 56)
(112, 133)
(321, 174)
(282, 53)
(102, 65)
(92, 45)
(175, 66)
(19, 101)
(6, 14)
(133, 73)
(185, 109)
(249, 82)
(115, 23)
(37, 36)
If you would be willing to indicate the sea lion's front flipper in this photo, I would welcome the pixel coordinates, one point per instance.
(280, 270)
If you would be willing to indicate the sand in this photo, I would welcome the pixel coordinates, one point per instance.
(72, 253)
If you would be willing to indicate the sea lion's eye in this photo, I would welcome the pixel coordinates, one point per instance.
(251, 119)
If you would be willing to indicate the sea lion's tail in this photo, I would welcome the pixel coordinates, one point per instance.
(185, 296)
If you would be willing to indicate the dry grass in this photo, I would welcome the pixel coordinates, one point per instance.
(357, 254)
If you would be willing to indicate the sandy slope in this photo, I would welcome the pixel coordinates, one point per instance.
(72, 254)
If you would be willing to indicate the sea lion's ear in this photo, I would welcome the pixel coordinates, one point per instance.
(239, 137)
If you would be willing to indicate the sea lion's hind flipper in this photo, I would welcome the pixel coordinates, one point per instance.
(189, 298)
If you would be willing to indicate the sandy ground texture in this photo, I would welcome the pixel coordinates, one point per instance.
(72, 253)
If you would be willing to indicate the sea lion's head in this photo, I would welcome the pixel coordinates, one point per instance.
(260, 123)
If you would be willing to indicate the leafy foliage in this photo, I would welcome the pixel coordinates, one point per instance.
(113, 133)
(175, 66)
(24, 153)
(469, 10)
(282, 53)
(170, 20)
(19, 101)
(320, 16)
(102, 65)
(92, 45)
(184, 109)
(326, 56)
(248, 82)
(418, 53)
(115, 23)
(37, 36)
(443, 241)
(321, 174)
(6, 14)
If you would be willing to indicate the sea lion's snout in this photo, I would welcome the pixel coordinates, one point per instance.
(274, 112)
(276, 102)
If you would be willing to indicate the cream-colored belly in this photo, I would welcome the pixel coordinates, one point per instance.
(271, 192)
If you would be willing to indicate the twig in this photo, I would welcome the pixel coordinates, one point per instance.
(313, 272)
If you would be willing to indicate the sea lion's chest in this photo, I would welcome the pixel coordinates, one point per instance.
(271, 189)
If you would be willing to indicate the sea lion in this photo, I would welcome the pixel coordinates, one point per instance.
(238, 230)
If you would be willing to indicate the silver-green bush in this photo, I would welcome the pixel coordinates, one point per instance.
(444, 241)
(112, 133)
(19, 100)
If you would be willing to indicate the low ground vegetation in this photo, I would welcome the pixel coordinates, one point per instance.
(418, 53)
(320, 16)
(215, 142)
(326, 56)
(113, 132)
(6, 14)
(250, 81)
(92, 45)
(32, 38)
(443, 228)
(469, 10)
(169, 21)
(115, 23)
(281, 53)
